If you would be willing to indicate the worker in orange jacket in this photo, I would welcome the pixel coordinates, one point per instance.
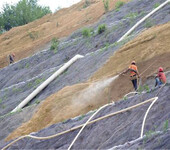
(133, 74)
(160, 78)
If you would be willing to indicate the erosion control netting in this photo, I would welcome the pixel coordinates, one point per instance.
(45, 63)
(20, 79)
(111, 131)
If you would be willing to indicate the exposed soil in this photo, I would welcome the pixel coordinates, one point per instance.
(80, 88)
(73, 100)
(36, 35)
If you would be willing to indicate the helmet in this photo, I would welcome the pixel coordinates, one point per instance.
(133, 62)
(160, 69)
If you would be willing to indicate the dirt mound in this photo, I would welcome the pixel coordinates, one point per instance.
(112, 131)
(151, 46)
(34, 36)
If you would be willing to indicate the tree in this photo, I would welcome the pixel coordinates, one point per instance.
(23, 12)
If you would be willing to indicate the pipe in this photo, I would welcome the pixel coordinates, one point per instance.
(77, 127)
(87, 123)
(143, 19)
(144, 119)
(45, 83)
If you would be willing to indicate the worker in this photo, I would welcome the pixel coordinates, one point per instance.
(160, 77)
(11, 58)
(133, 74)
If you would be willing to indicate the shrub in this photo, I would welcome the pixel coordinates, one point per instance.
(118, 5)
(86, 32)
(156, 5)
(86, 3)
(54, 44)
(165, 127)
(149, 23)
(101, 28)
(106, 5)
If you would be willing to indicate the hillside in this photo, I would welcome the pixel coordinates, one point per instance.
(37, 35)
(90, 83)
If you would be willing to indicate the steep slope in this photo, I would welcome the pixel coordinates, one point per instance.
(81, 98)
(121, 129)
(20, 79)
(37, 35)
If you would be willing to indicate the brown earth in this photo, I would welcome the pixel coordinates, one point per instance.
(151, 47)
(28, 39)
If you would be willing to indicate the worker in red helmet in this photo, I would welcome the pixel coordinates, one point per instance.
(160, 78)
(133, 74)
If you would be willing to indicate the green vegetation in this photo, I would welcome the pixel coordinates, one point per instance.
(131, 15)
(33, 35)
(165, 126)
(106, 5)
(54, 45)
(37, 102)
(29, 84)
(27, 65)
(125, 98)
(142, 88)
(86, 4)
(149, 23)
(148, 135)
(146, 87)
(3, 106)
(14, 89)
(0, 100)
(118, 5)
(23, 12)
(81, 117)
(38, 81)
(156, 5)
(101, 28)
(87, 32)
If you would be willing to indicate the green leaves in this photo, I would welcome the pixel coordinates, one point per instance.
(23, 12)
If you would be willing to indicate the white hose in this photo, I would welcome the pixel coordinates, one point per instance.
(45, 83)
(144, 119)
(143, 19)
(87, 123)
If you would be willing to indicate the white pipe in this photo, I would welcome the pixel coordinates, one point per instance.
(45, 83)
(87, 123)
(144, 119)
(143, 19)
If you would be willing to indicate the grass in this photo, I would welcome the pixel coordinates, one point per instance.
(14, 89)
(156, 5)
(101, 28)
(38, 81)
(165, 126)
(149, 23)
(146, 87)
(54, 45)
(125, 98)
(0, 100)
(27, 65)
(81, 117)
(148, 135)
(37, 102)
(87, 32)
(131, 15)
(33, 35)
(106, 5)
(86, 4)
(29, 84)
(118, 5)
